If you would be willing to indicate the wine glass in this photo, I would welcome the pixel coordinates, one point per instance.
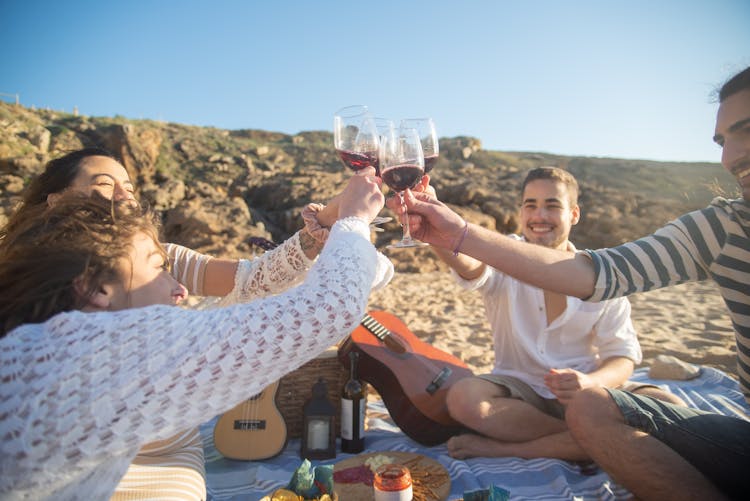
(402, 167)
(386, 128)
(428, 137)
(355, 137)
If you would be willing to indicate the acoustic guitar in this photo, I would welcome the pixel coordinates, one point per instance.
(410, 375)
(253, 430)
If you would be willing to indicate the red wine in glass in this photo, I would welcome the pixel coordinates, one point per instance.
(358, 160)
(402, 167)
(401, 177)
(429, 163)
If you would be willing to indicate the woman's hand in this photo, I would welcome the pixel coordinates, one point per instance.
(330, 213)
(362, 196)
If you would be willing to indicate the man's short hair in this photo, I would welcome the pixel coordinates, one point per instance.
(739, 82)
(555, 174)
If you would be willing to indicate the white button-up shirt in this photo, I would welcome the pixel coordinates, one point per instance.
(580, 338)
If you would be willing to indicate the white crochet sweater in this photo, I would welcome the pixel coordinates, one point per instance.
(82, 392)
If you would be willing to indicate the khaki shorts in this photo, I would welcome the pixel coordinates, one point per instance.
(522, 391)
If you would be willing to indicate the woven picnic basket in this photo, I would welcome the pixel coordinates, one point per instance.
(296, 387)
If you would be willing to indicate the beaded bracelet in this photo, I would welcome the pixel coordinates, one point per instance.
(461, 240)
(313, 227)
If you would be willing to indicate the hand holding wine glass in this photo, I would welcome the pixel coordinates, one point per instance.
(355, 137)
(402, 167)
(361, 197)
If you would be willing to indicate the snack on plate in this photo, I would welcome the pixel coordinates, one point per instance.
(361, 474)
(354, 476)
(375, 462)
(425, 479)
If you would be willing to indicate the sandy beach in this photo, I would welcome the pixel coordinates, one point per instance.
(689, 321)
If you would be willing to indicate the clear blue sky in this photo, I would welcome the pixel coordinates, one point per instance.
(626, 78)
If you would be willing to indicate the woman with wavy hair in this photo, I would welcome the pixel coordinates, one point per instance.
(176, 465)
(96, 361)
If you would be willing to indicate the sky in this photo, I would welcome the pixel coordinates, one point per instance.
(623, 79)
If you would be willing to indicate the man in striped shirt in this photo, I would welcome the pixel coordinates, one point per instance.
(656, 450)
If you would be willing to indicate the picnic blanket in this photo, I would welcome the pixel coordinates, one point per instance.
(538, 479)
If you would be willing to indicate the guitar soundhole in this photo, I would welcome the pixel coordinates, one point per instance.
(249, 424)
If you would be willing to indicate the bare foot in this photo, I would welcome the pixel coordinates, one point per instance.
(470, 445)
(558, 445)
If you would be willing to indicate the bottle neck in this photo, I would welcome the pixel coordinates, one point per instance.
(353, 359)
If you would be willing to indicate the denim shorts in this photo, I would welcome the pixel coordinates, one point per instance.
(717, 445)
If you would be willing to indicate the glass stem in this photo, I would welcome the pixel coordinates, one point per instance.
(404, 220)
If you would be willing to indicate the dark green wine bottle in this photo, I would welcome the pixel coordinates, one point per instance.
(353, 404)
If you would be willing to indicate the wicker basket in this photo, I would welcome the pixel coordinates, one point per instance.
(296, 387)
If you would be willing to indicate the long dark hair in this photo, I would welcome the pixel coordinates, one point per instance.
(55, 258)
(58, 175)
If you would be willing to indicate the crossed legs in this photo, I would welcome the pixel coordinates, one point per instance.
(505, 426)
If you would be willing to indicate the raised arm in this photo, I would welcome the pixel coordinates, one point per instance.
(466, 267)
(242, 280)
(433, 222)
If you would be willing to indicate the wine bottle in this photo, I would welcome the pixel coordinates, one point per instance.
(353, 410)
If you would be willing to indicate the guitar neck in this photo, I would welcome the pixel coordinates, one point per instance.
(375, 327)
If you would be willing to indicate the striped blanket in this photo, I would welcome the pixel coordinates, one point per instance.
(538, 479)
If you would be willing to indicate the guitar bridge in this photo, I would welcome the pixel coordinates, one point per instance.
(249, 424)
(438, 381)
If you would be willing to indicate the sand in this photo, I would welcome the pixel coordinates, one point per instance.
(689, 321)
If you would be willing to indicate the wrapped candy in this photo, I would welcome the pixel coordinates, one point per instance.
(312, 482)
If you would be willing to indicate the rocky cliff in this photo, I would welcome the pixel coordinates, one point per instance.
(218, 188)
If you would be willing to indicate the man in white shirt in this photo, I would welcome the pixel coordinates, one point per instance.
(548, 346)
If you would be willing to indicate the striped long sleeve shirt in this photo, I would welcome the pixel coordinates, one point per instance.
(712, 243)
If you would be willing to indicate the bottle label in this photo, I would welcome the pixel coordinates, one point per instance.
(347, 419)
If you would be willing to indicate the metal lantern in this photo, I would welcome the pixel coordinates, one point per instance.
(318, 425)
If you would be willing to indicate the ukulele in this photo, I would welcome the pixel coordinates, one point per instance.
(253, 430)
(410, 375)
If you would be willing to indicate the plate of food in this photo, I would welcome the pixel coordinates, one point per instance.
(352, 477)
